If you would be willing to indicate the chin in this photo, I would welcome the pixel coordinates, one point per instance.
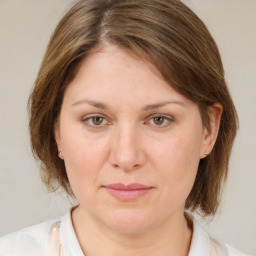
(130, 222)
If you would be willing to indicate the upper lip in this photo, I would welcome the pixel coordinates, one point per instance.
(132, 186)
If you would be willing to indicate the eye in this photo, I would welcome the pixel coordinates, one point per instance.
(160, 120)
(95, 121)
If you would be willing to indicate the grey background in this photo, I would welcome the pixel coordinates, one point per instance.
(25, 27)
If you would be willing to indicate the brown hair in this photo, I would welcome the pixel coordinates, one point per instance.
(165, 32)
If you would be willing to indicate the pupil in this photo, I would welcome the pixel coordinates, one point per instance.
(159, 120)
(97, 120)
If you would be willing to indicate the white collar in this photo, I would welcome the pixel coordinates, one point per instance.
(200, 243)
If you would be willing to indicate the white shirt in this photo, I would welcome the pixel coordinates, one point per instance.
(33, 241)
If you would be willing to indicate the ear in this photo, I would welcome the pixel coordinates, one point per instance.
(57, 138)
(211, 131)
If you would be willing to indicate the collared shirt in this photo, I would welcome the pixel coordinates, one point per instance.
(37, 240)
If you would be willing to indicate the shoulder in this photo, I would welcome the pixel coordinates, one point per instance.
(28, 241)
(223, 249)
(234, 252)
(203, 244)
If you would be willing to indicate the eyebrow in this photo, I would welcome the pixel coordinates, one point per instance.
(161, 104)
(145, 108)
(91, 102)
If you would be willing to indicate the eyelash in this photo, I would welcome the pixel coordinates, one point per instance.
(88, 118)
(167, 121)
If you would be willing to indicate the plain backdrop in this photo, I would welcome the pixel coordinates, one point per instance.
(25, 28)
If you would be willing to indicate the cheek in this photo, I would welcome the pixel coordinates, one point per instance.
(180, 152)
(178, 163)
(83, 159)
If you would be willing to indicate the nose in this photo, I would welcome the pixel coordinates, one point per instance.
(126, 151)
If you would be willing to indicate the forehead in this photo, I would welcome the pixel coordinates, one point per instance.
(112, 73)
(112, 59)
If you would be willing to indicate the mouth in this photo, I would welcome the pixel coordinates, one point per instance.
(127, 193)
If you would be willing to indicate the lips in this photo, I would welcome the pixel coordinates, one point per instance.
(127, 187)
(130, 192)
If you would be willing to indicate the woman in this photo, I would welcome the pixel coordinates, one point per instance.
(131, 115)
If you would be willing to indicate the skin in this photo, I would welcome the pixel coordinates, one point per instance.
(120, 122)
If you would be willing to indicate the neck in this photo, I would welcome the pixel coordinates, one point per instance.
(171, 237)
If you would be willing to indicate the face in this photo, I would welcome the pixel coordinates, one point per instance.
(131, 144)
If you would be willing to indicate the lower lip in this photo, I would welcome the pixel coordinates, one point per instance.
(128, 194)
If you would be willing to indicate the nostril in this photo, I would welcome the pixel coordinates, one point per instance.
(126, 158)
(128, 168)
